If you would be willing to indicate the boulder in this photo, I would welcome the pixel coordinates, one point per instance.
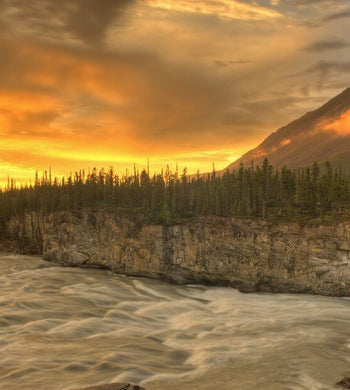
(344, 383)
(114, 386)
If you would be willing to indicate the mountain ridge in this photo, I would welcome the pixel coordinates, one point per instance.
(315, 136)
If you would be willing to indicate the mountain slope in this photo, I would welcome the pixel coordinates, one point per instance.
(323, 134)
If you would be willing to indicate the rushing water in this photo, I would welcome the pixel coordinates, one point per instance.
(64, 328)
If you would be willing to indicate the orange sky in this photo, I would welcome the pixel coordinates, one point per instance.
(99, 83)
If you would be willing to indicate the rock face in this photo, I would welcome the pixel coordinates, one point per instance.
(23, 234)
(250, 255)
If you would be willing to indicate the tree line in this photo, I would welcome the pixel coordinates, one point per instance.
(169, 197)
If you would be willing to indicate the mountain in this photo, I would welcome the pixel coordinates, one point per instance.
(320, 135)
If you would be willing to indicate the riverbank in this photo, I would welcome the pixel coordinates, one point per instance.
(250, 255)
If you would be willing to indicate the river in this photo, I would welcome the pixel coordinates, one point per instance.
(65, 328)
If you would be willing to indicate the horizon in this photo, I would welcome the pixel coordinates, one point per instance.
(115, 83)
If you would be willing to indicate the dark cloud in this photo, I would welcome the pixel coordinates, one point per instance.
(325, 75)
(327, 45)
(338, 15)
(228, 63)
(308, 24)
(90, 19)
(327, 66)
(256, 114)
(85, 20)
(312, 2)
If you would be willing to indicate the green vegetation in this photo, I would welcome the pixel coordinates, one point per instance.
(258, 192)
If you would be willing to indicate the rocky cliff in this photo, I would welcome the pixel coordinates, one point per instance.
(250, 255)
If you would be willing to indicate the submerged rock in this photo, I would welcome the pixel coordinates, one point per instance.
(114, 386)
(344, 383)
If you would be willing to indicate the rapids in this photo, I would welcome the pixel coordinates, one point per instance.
(65, 328)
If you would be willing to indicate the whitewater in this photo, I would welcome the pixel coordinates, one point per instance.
(66, 328)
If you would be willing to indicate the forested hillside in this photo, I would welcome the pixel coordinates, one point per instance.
(258, 192)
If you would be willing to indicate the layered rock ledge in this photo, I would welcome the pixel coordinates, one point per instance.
(250, 255)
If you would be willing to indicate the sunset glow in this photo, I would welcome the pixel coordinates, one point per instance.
(227, 9)
(192, 83)
(341, 126)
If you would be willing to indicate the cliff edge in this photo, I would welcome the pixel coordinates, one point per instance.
(250, 255)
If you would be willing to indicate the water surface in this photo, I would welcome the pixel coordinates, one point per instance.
(65, 328)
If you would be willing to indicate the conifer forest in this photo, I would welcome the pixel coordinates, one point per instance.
(169, 197)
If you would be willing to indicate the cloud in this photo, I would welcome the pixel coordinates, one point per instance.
(320, 46)
(131, 97)
(84, 20)
(229, 63)
(193, 81)
(333, 76)
(254, 114)
(226, 9)
(71, 104)
(327, 66)
(307, 3)
(337, 15)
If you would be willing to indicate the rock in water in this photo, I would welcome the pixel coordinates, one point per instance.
(114, 386)
(344, 383)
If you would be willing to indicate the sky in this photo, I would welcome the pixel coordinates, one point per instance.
(87, 83)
